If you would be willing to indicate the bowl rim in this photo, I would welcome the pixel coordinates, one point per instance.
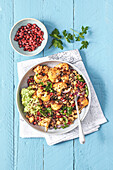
(66, 129)
(21, 21)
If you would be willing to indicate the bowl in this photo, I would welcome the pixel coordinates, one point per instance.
(24, 22)
(23, 83)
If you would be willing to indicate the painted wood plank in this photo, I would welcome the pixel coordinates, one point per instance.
(6, 86)
(28, 152)
(97, 153)
(58, 14)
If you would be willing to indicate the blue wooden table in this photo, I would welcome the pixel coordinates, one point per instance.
(35, 154)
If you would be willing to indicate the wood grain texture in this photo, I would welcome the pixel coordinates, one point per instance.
(28, 154)
(6, 86)
(97, 153)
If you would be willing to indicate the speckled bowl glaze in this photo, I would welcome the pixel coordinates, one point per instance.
(23, 83)
(24, 22)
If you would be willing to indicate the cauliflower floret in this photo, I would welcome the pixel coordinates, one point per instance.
(40, 78)
(59, 86)
(38, 69)
(82, 102)
(43, 95)
(65, 78)
(45, 69)
(56, 106)
(62, 66)
(54, 74)
(45, 122)
(31, 119)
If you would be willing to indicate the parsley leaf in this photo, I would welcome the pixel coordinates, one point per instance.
(57, 43)
(67, 36)
(78, 36)
(56, 34)
(84, 44)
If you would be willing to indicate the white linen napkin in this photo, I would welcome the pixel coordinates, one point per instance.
(92, 121)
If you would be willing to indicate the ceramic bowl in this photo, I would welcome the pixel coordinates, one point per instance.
(24, 22)
(23, 83)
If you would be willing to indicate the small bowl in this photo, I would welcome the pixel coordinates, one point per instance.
(24, 22)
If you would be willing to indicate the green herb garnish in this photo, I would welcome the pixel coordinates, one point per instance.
(42, 113)
(78, 36)
(80, 78)
(87, 91)
(67, 36)
(49, 87)
(69, 110)
(66, 120)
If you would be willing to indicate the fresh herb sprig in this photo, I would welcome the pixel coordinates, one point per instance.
(78, 36)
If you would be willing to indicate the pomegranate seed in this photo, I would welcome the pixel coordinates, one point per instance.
(41, 87)
(61, 98)
(29, 36)
(70, 95)
(34, 25)
(69, 123)
(38, 113)
(65, 111)
(73, 105)
(34, 123)
(48, 114)
(77, 85)
(20, 46)
(51, 94)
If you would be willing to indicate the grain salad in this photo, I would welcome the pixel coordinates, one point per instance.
(49, 99)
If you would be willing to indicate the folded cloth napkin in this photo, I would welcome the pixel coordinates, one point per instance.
(92, 121)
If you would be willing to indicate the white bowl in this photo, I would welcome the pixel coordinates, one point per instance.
(24, 22)
(23, 83)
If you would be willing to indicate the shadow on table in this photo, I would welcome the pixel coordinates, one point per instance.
(97, 82)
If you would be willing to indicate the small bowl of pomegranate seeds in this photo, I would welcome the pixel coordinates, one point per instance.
(28, 37)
